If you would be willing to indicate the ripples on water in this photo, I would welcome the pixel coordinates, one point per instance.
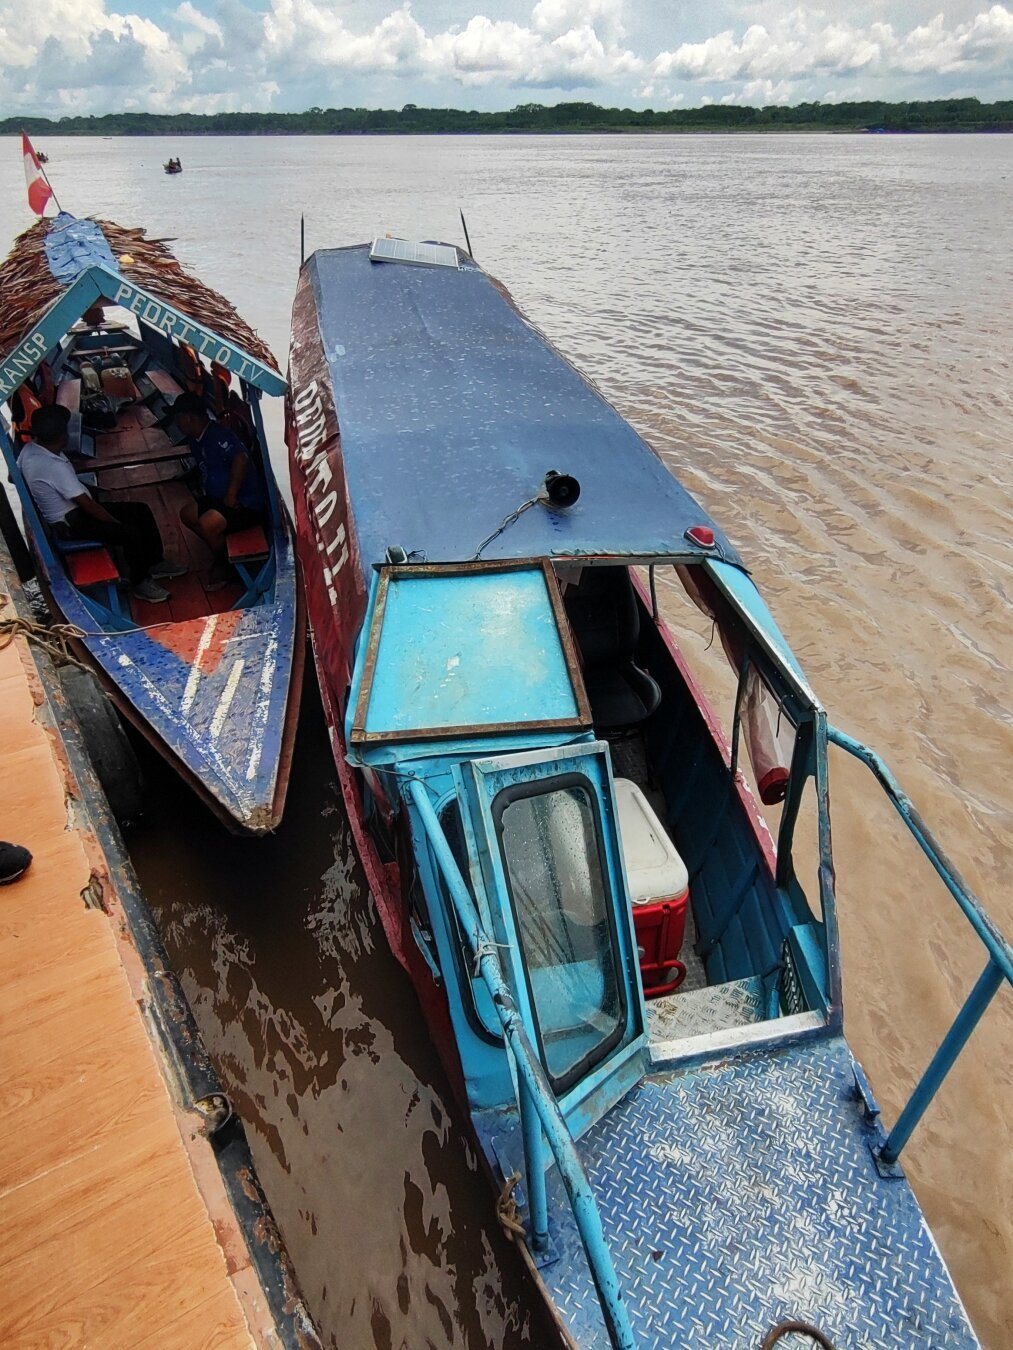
(815, 333)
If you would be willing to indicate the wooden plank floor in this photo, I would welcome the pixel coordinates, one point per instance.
(188, 598)
(106, 1240)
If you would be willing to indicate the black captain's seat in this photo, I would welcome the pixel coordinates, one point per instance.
(605, 619)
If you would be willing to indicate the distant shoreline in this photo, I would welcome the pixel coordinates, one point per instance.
(556, 131)
(937, 116)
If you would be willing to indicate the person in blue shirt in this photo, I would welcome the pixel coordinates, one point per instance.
(231, 495)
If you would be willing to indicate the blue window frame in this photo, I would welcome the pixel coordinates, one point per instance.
(551, 846)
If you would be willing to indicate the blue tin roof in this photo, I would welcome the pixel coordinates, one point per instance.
(72, 246)
(452, 408)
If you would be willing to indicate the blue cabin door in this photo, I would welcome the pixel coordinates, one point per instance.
(543, 826)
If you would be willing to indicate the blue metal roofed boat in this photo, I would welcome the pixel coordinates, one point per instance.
(637, 994)
(106, 322)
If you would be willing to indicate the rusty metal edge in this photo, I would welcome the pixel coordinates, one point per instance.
(170, 1013)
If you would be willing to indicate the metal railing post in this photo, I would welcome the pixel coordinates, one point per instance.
(538, 1206)
(942, 1061)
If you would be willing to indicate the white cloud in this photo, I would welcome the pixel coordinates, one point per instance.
(188, 14)
(98, 55)
(561, 16)
(760, 94)
(71, 48)
(804, 44)
(567, 44)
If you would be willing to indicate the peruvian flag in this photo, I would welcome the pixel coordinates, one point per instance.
(39, 191)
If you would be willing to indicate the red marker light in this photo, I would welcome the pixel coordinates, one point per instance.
(702, 535)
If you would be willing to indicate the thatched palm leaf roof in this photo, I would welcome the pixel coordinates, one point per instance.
(28, 287)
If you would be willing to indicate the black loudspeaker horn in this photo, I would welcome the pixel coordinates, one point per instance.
(560, 489)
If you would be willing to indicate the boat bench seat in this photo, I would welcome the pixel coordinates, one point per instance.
(164, 383)
(249, 545)
(246, 547)
(605, 620)
(90, 563)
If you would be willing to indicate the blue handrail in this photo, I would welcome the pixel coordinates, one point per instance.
(534, 1087)
(998, 968)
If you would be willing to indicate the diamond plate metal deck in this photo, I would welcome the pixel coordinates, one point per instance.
(698, 1012)
(740, 1193)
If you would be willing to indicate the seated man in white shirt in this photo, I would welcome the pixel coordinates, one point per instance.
(72, 513)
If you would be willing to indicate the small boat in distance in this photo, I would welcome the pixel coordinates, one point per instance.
(106, 323)
(172, 166)
(636, 992)
(42, 157)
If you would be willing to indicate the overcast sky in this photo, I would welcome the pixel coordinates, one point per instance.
(64, 56)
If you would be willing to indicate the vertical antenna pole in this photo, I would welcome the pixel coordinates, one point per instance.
(465, 227)
(302, 239)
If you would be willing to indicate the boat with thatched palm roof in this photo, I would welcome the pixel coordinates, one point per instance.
(108, 324)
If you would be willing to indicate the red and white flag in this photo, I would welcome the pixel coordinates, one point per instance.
(39, 192)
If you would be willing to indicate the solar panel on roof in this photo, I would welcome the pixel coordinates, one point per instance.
(407, 251)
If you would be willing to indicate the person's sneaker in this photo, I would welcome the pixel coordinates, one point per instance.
(14, 862)
(217, 578)
(150, 591)
(166, 570)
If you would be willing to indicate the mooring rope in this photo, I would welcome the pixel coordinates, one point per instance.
(506, 1209)
(802, 1328)
(52, 639)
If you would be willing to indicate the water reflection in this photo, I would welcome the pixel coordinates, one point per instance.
(318, 1037)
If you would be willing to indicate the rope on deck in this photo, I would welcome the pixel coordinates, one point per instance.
(507, 1211)
(802, 1328)
(53, 640)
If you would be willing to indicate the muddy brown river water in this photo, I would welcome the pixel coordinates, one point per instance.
(816, 334)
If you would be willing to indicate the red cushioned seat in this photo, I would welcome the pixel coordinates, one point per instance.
(91, 566)
(246, 545)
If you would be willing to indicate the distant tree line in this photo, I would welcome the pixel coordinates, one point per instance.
(950, 114)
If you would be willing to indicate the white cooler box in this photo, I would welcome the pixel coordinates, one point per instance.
(659, 889)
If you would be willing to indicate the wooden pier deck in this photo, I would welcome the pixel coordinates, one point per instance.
(116, 1230)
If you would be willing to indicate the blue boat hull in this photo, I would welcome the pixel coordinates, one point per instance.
(218, 697)
(683, 1167)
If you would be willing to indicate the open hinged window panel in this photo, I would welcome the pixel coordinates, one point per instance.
(468, 649)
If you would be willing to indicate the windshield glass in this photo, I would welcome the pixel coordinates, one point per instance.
(550, 841)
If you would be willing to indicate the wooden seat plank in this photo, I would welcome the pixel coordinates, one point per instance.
(91, 566)
(247, 545)
(86, 352)
(142, 475)
(130, 458)
(163, 382)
